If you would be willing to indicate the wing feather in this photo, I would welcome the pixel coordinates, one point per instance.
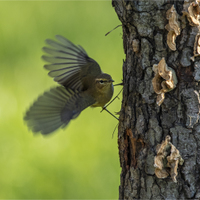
(69, 62)
(55, 108)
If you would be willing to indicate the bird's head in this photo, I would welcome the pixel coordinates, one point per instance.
(103, 82)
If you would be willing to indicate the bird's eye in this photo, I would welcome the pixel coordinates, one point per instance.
(101, 81)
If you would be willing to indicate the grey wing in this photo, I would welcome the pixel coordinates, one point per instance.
(69, 63)
(55, 108)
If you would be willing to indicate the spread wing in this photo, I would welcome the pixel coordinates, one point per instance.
(69, 64)
(55, 108)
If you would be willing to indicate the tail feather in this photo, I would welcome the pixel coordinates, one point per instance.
(55, 108)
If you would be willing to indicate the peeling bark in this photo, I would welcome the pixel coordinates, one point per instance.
(143, 124)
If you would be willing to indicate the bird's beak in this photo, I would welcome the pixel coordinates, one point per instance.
(111, 80)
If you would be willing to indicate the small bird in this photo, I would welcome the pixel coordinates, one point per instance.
(83, 84)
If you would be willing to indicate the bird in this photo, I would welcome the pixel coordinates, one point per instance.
(81, 84)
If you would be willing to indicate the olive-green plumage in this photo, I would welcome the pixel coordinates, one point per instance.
(82, 84)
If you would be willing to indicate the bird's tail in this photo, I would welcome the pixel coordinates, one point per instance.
(55, 108)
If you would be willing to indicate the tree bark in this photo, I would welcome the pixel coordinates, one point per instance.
(142, 123)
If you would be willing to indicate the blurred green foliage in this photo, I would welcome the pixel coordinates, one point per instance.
(81, 161)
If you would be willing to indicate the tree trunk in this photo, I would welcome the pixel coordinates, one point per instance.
(144, 120)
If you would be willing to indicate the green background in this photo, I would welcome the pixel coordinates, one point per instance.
(81, 161)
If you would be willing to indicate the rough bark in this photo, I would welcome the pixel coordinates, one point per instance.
(144, 124)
